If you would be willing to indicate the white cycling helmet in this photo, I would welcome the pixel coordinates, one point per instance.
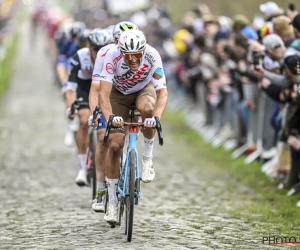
(132, 41)
(98, 38)
(123, 26)
(109, 29)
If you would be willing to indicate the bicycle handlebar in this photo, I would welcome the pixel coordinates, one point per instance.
(74, 107)
(96, 113)
(158, 128)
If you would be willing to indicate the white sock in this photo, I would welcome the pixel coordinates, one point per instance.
(82, 161)
(148, 149)
(112, 185)
(69, 123)
(126, 143)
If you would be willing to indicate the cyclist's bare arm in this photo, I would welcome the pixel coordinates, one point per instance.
(72, 80)
(105, 90)
(94, 96)
(161, 103)
(95, 86)
(70, 97)
(159, 82)
(62, 73)
(106, 80)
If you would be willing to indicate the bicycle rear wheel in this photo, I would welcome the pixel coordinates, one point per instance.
(130, 197)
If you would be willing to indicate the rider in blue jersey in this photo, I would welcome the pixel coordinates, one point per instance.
(67, 49)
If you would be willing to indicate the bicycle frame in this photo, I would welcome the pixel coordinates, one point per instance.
(122, 184)
(124, 174)
(128, 195)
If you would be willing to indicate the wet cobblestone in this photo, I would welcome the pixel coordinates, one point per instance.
(42, 208)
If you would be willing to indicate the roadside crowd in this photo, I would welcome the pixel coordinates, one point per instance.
(244, 77)
(241, 75)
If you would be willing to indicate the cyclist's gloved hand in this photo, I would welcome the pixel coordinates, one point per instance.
(68, 113)
(150, 123)
(118, 121)
(93, 123)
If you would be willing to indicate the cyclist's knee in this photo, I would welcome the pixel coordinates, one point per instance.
(101, 137)
(83, 124)
(148, 110)
(116, 142)
(83, 119)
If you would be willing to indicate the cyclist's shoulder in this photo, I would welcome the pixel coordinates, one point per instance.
(111, 52)
(152, 56)
(103, 51)
(67, 41)
(113, 49)
(75, 61)
(109, 46)
(151, 51)
(83, 52)
(72, 49)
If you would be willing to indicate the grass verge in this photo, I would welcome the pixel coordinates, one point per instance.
(269, 206)
(6, 65)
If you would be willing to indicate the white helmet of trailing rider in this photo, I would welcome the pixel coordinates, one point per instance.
(110, 31)
(121, 27)
(132, 41)
(110, 27)
(98, 38)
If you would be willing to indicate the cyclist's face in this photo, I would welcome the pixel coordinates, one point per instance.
(133, 60)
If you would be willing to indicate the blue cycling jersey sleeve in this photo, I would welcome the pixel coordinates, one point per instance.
(64, 52)
(63, 49)
(73, 48)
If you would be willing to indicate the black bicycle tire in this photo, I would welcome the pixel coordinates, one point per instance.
(120, 211)
(94, 183)
(126, 216)
(130, 197)
(93, 143)
(126, 208)
(106, 202)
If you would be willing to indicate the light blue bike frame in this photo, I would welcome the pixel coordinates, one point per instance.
(124, 174)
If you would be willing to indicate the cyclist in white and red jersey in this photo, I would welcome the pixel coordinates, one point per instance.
(132, 74)
(102, 149)
(78, 88)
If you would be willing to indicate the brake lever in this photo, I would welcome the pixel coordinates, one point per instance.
(108, 127)
(74, 106)
(159, 130)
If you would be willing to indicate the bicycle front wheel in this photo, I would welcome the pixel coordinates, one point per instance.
(93, 145)
(130, 197)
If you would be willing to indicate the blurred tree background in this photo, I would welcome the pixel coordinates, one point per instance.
(229, 8)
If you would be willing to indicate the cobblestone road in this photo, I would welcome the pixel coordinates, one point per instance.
(42, 208)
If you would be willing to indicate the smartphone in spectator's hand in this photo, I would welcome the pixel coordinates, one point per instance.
(294, 132)
(256, 59)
